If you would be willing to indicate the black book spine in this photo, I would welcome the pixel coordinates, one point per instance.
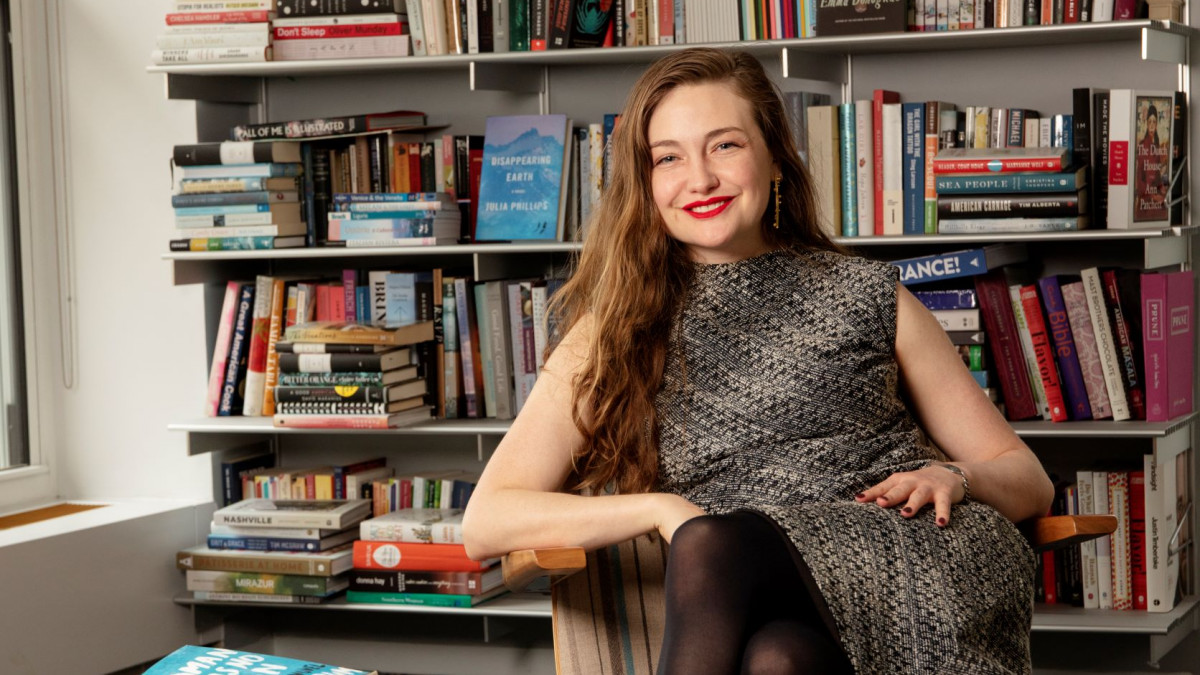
(486, 37)
(1099, 177)
(590, 26)
(295, 8)
(1179, 160)
(319, 191)
(329, 363)
(330, 395)
(1010, 206)
(561, 14)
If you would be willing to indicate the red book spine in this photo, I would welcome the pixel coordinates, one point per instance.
(1043, 351)
(1049, 578)
(943, 165)
(1137, 537)
(379, 555)
(1005, 342)
(338, 31)
(183, 18)
(881, 97)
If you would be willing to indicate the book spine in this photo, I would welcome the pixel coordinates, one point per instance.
(500, 344)
(914, 168)
(1154, 340)
(266, 563)
(893, 169)
(317, 421)
(220, 358)
(1157, 535)
(329, 408)
(998, 165)
(472, 375)
(1123, 340)
(261, 583)
(1059, 327)
(164, 57)
(864, 167)
(235, 370)
(932, 119)
(231, 198)
(373, 555)
(879, 97)
(331, 8)
(1007, 206)
(421, 599)
(330, 363)
(1090, 365)
(416, 26)
(187, 18)
(412, 532)
(1118, 500)
(1137, 539)
(1120, 158)
(224, 543)
(330, 379)
(1104, 567)
(305, 49)
(334, 394)
(453, 583)
(218, 596)
(256, 365)
(1087, 550)
(1005, 345)
(1093, 288)
(1027, 352)
(847, 133)
(1043, 352)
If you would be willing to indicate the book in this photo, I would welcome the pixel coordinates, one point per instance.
(444, 583)
(386, 420)
(1001, 160)
(277, 543)
(1071, 180)
(263, 583)
(847, 166)
(1085, 484)
(424, 599)
(233, 468)
(1122, 297)
(192, 659)
(323, 563)
(390, 555)
(331, 8)
(1066, 356)
(521, 185)
(347, 363)
(331, 126)
(358, 333)
(1166, 305)
(1090, 366)
(887, 16)
(258, 598)
(239, 54)
(1118, 502)
(1004, 341)
(879, 97)
(1009, 224)
(1137, 538)
(956, 264)
(235, 152)
(825, 167)
(1106, 346)
(430, 526)
(913, 157)
(220, 355)
(1104, 578)
(1043, 205)
(329, 513)
(1047, 368)
(1027, 352)
(233, 386)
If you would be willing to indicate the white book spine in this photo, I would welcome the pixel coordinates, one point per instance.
(865, 166)
(1035, 378)
(1045, 131)
(1103, 544)
(342, 48)
(472, 36)
(1087, 550)
(538, 300)
(433, 17)
(1120, 159)
(1094, 291)
(200, 40)
(893, 170)
(1118, 500)
(375, 529)
(416, 27)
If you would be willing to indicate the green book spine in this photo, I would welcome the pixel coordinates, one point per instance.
(425, 599)
(518, 26)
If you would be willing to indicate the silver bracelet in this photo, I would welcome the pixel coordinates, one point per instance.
(965, 483)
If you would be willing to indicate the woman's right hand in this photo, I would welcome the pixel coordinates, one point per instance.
(673, 511)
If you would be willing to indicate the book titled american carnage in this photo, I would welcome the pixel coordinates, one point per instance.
(193, 659)
(521, 186)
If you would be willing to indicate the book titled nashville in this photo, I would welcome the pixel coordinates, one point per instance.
(330, 513)
(521, 183)
(193, 659)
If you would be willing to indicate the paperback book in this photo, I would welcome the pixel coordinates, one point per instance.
(193, 659)
(522, 191)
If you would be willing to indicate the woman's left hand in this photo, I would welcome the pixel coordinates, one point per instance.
(913, 490)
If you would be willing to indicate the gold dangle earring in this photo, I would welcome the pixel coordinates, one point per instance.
(777, 202)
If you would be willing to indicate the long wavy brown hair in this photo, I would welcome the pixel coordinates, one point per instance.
(630, 276)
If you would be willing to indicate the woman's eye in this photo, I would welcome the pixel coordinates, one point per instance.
(665, 159)
(727, 145)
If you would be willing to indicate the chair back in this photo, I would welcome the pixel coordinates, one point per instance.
(608, 619)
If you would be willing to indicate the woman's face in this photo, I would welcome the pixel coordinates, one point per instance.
(712, 172)
(1151, 122)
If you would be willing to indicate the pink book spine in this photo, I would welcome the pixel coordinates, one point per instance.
(1180, 316)
(1085, 346)
(1154, 342)
(349, 297)
(216, 375)
(1124, 9)
(1118, 502)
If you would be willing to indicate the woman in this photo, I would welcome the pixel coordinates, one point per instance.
(754, 396)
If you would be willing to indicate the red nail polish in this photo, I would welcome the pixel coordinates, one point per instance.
(906, 510)
(941, 522)
(861, 495)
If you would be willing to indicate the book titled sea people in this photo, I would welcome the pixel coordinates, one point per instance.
(521, 184)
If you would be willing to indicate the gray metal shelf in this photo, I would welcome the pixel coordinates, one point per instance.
(523, 605)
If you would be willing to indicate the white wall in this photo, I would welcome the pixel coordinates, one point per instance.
(140, 340)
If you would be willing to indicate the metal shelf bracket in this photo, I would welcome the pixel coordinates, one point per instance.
(813, 66)
(1165, 47)
(518, 79)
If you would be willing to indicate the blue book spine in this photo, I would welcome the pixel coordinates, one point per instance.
(981, 377)
(948, 299)
(221, 198)
(386, 215)
(263, 243)
(362, 304)
(235, 372)
(260, 170)
(914, 167)
(380, 228)
(223, 210)
(846, 132)
(1063, 339)
(345, 198)
(400, 291)
(310, 191)
(942, 266)
(1062, 134)
(1011, 182)
(262, 543)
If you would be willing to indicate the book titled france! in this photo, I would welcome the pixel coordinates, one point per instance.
(521, 186)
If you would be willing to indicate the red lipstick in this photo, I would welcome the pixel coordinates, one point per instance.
(722, 201)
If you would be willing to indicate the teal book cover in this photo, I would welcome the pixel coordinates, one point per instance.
(191, 659)
(521, 183)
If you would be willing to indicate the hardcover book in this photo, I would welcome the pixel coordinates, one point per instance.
(446, 583)
(358, 333)
(1005, 343)
(1168, 338)
(416, 526)
(262, 583)
(522, 183)
(326, 513)
(330, 126)
(1154, 119)
(388, 555)
(1001, 160)
(853, 17)
(958, 263)
(425, 599)
(192, 659)
(1090, 367)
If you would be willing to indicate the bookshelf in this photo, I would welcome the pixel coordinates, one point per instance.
(993, 67)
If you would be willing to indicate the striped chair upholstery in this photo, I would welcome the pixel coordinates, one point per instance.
(608, 619)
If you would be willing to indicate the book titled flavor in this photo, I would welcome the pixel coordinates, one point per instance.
(193, 659)
(320, 513)
(1001, 160)
(521, 185)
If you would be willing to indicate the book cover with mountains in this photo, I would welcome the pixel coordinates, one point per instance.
(521, 184)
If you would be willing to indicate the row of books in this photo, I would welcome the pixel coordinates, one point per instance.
(1145, 564)
(241, 31)
(406, 556)
(882, 167)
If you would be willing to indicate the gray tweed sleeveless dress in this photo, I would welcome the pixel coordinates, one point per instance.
(788, 405)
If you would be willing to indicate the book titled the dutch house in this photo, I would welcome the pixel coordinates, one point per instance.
(522, 180)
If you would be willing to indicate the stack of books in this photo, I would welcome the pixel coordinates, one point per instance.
(275, 551)
(238, 31)
(346, 375)
(416, 557)
(394, 219)
(312, 29)
(194, 659)
(984, 190)
(233, 196)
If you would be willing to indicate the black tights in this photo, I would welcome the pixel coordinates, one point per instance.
(738, 602)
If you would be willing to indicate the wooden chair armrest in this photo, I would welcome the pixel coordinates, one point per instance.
(522, 567)
(1053, 532)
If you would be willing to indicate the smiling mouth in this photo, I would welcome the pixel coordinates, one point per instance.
(709, 208)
